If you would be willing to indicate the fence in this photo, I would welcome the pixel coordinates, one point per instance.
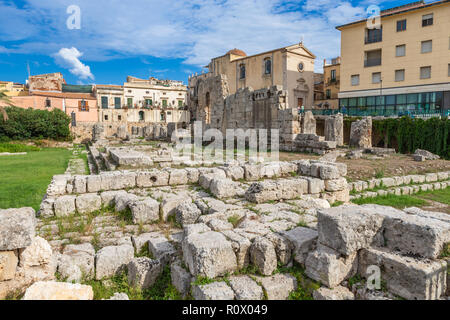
(356, 112)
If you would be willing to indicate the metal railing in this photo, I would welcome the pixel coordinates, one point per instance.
(374, 37)
(372, 62)
(358, 112)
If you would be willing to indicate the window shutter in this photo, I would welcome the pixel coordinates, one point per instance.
(87, 105)
(79, 105)
(427, 46)
(400, 50)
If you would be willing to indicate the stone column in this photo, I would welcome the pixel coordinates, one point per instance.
(361, 133)
(334, 129)
(308, 123)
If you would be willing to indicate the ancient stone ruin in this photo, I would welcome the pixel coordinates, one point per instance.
(217, 221)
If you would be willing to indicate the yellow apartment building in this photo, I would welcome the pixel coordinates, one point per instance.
(331, 84)
(12, 89)
(402, 65)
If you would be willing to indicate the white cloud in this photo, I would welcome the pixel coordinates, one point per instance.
(192, 30)
(69, 58)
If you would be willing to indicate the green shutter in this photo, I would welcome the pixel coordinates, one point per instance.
(105, 102)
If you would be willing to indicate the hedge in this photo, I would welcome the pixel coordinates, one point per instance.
(411, 134)
(29, 123)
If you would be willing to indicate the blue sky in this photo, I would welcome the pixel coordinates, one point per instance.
(167, 39)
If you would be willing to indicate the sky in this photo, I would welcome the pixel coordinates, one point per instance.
(104, 41)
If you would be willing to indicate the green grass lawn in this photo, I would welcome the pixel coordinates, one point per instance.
(442, 196)
(399, 202)
(24, 178)
(416, 200)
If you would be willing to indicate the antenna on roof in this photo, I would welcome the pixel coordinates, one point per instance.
(301, 39)
(28, 69)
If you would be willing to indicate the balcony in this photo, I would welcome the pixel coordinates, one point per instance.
(373, 36)
(332, 81)
(372, 62)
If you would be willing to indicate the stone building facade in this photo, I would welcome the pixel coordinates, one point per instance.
(290, 67)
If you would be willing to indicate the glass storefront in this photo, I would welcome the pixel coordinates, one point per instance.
(428, 102)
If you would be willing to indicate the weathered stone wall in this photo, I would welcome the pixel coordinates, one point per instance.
(210, 103)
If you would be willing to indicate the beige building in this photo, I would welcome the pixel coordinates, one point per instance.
(140, 100)
(331, 84)
(291, 67)
(12, 89)
(154, 93)
(402, 65)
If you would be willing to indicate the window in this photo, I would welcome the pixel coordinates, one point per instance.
(83, 105)
(401, 25)
(104, 102)
(164, 103)
(400, 50)
(119, 118)
(328, 94)
(372, 58)
(427, 46)
(425, 72)
(449, 69)
(355, 80)
(148, 102)
(48, 103)
(117, 102)
(400, 75)
(267, 66)
(333, 75)
(427, 20)
(242, 72)
(106, 117)
(141, 115)
(374, 35)
(376, 77)
(180, 103)
(130, 102)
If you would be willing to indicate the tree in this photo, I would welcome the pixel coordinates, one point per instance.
(4, 99)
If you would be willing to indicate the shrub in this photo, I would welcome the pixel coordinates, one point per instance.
(411, 134)
(29, 123)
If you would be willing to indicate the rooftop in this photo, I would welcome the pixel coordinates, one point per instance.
(400, 9)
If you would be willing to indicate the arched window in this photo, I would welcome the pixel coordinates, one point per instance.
(268, 66)
(242, 71)
(141, 116)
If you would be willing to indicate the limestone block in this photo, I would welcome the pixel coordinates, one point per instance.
(111, 260)
(187, 213)
(143, 272)
(208, 254)
(65, 206)
(154, 178)
(405, 276)
(88, 203)
(349, 228)
(38, 253)
(58, 291)
(123, 200)
(245, 288)
(303, 240)
(279, 286)
(213, 291)
(17, 228)
(328, 267)
(263, 255)
(178, 177)
(181, 278)
(8, 265)
(338, 293)
(144, 211)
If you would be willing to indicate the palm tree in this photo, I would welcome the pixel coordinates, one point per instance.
(5, 99)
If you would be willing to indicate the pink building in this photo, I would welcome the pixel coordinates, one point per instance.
(49, 91)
